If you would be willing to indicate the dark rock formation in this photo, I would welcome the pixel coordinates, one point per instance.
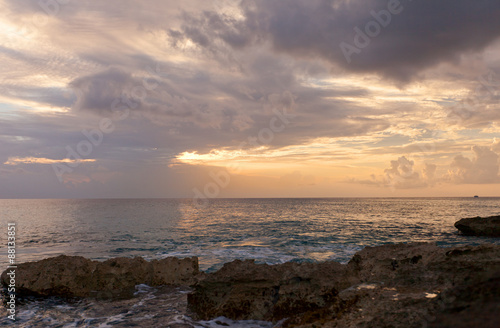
(386, 286)
(75, 276)
(489, 226)
(473, 304)
(410, 285)
(404, 285)
(245, 290)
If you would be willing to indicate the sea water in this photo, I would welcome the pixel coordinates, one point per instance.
(267, 230)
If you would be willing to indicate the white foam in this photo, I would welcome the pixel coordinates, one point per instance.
(215, 257)
(142, 289)
(114, 318)
(225, 322)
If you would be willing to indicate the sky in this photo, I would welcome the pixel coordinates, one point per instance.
(254, 98)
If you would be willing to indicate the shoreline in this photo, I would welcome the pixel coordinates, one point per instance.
(378, 282)
(416, 284)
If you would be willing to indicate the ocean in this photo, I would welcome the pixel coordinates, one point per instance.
(267, 230)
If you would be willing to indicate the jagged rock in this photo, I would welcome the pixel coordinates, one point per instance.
(384, 286)
(62, 275)
(473, 304)
(75, 276)
(403, 285)
(245, 290)
(407, 286)
(424, 264)
(174, 271)
(117, 277)
(478, 226)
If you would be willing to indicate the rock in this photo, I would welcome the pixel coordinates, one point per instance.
(407, 285)
(488, 226)
(403, 285)
(75, 276)
(385, 286)
(245, 290)
(424, 264)
(62, 275)
(472, 304)
(174, 271)
(117, 277)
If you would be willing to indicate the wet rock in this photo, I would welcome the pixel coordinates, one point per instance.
(424, 265)
(410, 285)
(116, 278)
(62, 275)
(402, 285)
(474, 303)
(75, 276)
(174, 271)
(245, 290)
(478, 226)
(385, 286)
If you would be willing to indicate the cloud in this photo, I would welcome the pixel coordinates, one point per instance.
(207, 76)
(496, 145)
(482, 169)
(163, 101)
(480, 107)
(402, 175)
(98, 92)
(41, 160)
(421, 35)
(429, 171)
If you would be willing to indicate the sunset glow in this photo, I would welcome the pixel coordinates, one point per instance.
(164, 97)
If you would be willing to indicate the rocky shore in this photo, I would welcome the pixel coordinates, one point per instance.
(76, 276)
(402, 285)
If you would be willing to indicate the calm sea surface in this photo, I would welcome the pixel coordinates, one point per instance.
(268, 230)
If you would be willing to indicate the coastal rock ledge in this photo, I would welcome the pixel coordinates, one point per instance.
(403, 285)
(76, 276)
(399, 286)
(478, 226)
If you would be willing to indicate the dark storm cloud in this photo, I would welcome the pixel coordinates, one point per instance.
(420, 34)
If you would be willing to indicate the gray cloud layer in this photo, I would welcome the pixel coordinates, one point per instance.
(421, 35)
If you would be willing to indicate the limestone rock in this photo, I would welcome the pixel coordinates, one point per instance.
(245, 290)
(386, 286)
(400, 286)
(424, 264)
(473, 304)
(174, 271)
(478, 226)
(61, 275)
(75, 276)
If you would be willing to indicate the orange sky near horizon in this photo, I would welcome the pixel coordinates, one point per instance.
(165, 99)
